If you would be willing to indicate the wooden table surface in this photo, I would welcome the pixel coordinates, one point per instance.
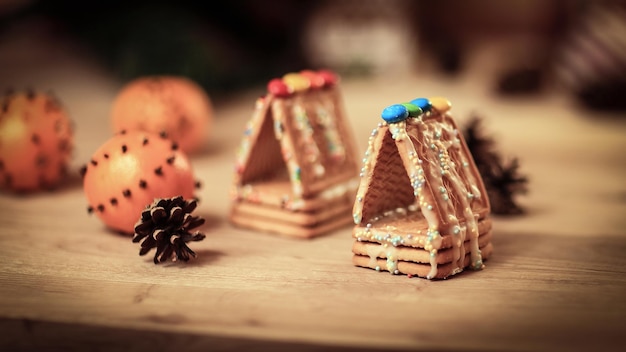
(556, 281)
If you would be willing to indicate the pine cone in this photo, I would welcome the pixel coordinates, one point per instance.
(165, 225)
(502, 180)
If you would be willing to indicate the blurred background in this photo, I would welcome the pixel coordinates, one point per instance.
(228, 46)
(548, 77)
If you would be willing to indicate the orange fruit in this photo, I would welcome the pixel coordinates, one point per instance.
(172, 104)
(36, 141)
(129, 171)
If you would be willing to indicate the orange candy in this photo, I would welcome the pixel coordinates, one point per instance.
(441, 104)
(171, 104)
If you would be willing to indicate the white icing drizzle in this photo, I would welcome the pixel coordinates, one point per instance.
(243, 151)
(339, 190)
(418, 179)
(334, 192)
(471, 190)
(287, 147)
(383, 234)
(334, 143)
(310, 149)
(438, 141)
(365, 175)
(375, 252)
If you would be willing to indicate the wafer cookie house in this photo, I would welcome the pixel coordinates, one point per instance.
(421, 208)
(296, 171)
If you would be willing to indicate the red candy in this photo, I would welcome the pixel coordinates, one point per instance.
(316, 80)
(329, 77)
(278, 88)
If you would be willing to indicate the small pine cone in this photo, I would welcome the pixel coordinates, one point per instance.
(165, 225)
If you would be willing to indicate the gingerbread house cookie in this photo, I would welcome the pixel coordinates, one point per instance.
(421, 208)
(296, 168)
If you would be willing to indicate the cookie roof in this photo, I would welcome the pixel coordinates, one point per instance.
(418, 167)
(418, 158)
(301, 129)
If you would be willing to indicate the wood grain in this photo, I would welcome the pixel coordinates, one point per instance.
(556, 280)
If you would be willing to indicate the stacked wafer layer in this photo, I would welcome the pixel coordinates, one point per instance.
(421, 208)
(396, 243)
(269, 207)
(296, 168)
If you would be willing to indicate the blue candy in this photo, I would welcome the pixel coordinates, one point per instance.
(423, 104)
(395, 113)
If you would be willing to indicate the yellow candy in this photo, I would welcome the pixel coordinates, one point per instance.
(296, 82)
(440, 104)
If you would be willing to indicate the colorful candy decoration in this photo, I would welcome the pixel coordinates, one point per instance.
(301, 81)
(441, 104)
(316, 80)
(422, 103)
(395, 113)
(297, 82)
(278, 88)
(35, 141)
(295, 169)
(446, 187)
(416, 108)
(329, 77)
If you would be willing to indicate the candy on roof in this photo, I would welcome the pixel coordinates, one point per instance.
(296, 167)
(416, 108)
(301, 81)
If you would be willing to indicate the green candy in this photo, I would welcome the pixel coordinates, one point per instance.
(414, 110)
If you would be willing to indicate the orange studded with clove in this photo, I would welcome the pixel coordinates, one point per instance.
(129, 171)
(171, 104)
(36, 141)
